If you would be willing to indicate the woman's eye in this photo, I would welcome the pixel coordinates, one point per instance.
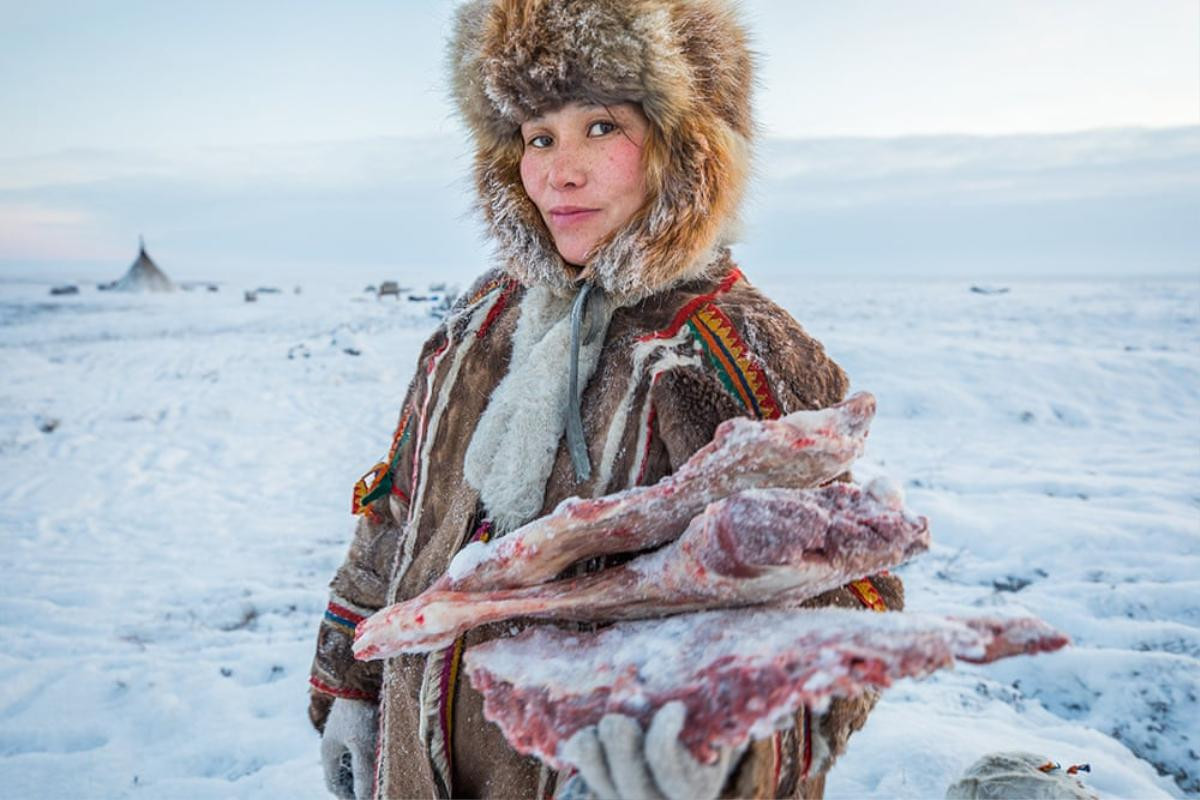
(540, 141)
(602, 127)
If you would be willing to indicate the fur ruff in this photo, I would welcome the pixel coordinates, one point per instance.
(514, 445)
(686, 62)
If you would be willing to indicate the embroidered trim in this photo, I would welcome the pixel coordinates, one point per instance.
(368, 485)
(446, 664)
(488, 288)
(342, 618)
(446, 687)
(380, 479)
(732, 277)
(739, 368)
(348, 694)
(497, 308)
(647, 345)
(868, 595)
(647, 434)
(404, 553)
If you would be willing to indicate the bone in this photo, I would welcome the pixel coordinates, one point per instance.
(756, 547)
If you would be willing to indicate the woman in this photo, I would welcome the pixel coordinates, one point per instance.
(612, 150)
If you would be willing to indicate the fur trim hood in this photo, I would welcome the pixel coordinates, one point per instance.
(687, 64)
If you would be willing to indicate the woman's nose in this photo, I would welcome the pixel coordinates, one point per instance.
(567, 170)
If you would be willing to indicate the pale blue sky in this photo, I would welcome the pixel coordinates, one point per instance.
(297, 136)
(111, 73)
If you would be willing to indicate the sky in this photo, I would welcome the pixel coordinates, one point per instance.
(170, 117)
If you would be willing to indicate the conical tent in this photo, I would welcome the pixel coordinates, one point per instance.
(144, 275)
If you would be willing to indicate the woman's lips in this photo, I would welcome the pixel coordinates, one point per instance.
(569, 215)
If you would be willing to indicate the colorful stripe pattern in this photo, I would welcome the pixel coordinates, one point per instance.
(732, 277)
(868, 595)
(739, 369)
(379, 480)
(342, 618)
(452, 660)
(349, 694)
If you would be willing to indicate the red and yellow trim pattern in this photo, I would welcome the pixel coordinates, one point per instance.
(732, 277)
(380, 480)
(868, 595)
(739, 369)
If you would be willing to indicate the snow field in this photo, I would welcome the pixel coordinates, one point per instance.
(174, 494)
(1051, 435)
(170, 542)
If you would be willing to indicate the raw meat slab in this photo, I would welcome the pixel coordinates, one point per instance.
(798, 451)
(740, 674)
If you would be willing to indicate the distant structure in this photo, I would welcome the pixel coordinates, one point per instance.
(143, 276)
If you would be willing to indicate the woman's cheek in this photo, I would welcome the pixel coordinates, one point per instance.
(529, 179)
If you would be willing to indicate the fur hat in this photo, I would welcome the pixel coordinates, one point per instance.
(687, 64)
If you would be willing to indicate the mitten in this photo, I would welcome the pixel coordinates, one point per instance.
(616, 760)
(348, 749)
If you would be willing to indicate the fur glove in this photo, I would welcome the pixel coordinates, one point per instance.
(348, 749)
(616, 760)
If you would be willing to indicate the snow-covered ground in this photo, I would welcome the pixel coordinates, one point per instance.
(175, 476)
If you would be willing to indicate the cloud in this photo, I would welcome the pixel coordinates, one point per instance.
(1117, 201)
(983, 169)
(36, 232)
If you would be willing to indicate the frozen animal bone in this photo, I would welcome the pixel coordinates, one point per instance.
(740, 673)
(755, 547)
(798, 451)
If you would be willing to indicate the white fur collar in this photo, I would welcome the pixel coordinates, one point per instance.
(512, 450)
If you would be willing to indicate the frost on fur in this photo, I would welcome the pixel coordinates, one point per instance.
(686, 64)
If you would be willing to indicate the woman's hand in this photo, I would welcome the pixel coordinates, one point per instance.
(616, 760)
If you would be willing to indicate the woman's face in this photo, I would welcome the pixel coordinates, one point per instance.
(582, 168)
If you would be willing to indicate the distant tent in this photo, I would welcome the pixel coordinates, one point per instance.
(143, 276)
